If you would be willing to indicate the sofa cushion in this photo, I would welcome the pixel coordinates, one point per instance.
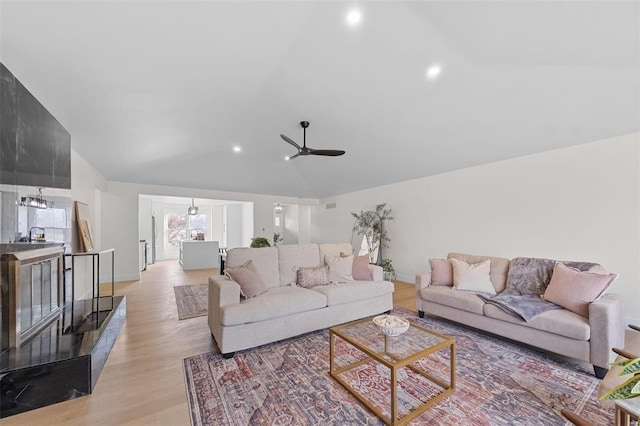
(575, 290)
(311, 277)
(472, 277)
(265, 260)
(360, 268)
(559, 321)
(441, 272)
(498, 271)
(340, 268)
(466, 301)
(294, 256)
(251, 285)
(275, 303)
(354, 291)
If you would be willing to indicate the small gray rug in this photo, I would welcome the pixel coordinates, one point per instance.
(192, 300)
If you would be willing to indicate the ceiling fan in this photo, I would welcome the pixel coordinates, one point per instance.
(303, 150)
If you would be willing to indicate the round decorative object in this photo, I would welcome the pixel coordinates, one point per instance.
(391, 325)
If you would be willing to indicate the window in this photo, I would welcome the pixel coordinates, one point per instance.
(181, 226)
(176, 229)
(198, 221)
(55, 221)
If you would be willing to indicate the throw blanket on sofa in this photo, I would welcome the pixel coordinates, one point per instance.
(527, 280)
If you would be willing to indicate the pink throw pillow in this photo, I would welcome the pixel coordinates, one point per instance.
(360, 269)
(251, 285)
(575, 290)
(441, 272)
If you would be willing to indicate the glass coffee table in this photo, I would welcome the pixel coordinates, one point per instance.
(420, 368)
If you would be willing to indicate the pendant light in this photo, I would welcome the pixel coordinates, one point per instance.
(193, 210)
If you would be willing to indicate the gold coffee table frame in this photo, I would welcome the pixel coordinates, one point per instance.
(395, 353)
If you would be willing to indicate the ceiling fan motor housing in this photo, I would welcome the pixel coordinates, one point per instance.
(304, 150)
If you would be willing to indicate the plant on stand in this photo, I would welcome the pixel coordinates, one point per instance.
(258, 242)
(389, 271)
(371, 224)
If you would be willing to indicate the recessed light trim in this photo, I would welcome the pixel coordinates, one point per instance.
(237, 149)
(433, 72)
(354, 17)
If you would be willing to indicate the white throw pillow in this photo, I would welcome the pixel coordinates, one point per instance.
(472, 277)
(340, 268)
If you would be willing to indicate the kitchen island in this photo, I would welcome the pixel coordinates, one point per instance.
(197, 254)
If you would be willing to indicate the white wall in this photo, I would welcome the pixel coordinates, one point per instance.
(215, 214)
(248, 221)
(120, 232)
(234, 225)
(304, 224)
(578, 203)
(144, 221)
(291, 223)
(87, 185)
(85, 180)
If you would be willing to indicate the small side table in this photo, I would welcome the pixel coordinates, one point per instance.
(627, 410)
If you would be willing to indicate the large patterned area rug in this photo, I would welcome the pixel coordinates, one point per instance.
(191, 300)
(288, 383)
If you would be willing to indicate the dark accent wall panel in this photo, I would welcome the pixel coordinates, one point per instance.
(35, 150)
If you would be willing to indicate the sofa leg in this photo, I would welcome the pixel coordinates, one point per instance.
(600, 372)
(421, 314)
(229, 355)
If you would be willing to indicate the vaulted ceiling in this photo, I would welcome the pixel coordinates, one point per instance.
(161, 92)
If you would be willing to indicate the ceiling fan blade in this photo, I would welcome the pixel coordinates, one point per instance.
(327, 152)
(291, 141)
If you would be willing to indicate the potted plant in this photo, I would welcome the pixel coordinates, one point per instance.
(257, 242)
(630, 388)
(371, 224)
(387, 267)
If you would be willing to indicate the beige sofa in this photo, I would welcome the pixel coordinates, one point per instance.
(560, 330)
(287, 310)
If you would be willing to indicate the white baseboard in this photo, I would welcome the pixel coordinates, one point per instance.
(410, 279)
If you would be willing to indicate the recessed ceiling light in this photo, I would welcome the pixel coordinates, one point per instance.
(286, 158)
(237, 149)
(433, 72)
(354, 17)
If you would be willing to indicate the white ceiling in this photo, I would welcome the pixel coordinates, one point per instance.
(159, 92)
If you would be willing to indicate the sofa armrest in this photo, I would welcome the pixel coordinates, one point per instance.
(606, 320)
(222, 291)
(377, 274)
(422, 280)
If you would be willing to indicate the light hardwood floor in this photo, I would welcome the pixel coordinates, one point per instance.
(142, 382)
